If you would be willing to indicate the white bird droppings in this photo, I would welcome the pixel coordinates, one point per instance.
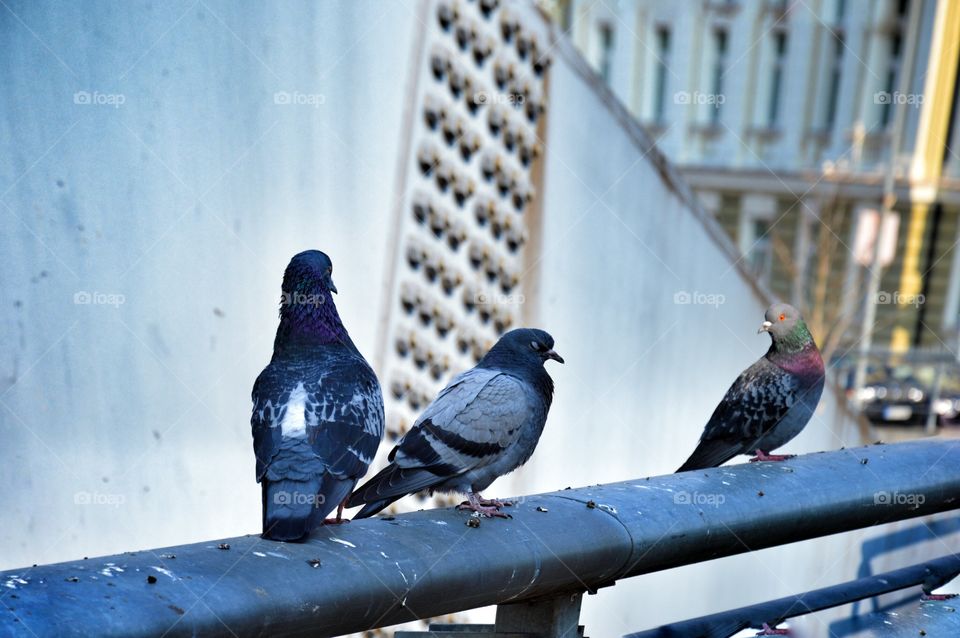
(343, 542)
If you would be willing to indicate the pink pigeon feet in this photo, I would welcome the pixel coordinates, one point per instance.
(483, 507)
(938, 596)
(339, 520)
(763, 456)
(492, 502)
(769, 631)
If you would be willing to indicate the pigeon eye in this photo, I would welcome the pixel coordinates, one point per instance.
(782, 316)
(534, 345)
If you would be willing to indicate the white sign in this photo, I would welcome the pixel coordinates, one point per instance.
(865, 241)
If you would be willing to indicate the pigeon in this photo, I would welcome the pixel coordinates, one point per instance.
(484, 424)
(771, 401)
(937, 577)
(317, 408)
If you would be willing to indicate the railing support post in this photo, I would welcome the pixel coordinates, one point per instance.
(557, 617)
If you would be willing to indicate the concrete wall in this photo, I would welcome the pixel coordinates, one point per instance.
(185, 202)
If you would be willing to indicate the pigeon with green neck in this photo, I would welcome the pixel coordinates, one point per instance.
(771, 401)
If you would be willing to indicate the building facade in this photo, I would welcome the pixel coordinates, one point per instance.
(782, 115)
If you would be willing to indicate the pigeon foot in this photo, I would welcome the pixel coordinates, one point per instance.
(339, 520)
(483, 507)
(770, 631)
(763, 456)
(492, 502)
(938, 596)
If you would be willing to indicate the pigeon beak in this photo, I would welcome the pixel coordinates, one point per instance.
(764, 327)
(552, 354)
(330, 285)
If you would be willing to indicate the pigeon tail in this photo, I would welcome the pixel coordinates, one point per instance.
(375, 507)
(293, 509)
(288, 508)
(390, 484)
(708, 454)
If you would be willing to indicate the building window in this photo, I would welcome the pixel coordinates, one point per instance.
(776, 77)
(719, 67)
(660, 74)
(895, 41)
(606, 51)
(566, 15)
(760, 253)
(833, 86)
(840, 11)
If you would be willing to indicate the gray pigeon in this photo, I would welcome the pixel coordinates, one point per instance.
(771, 401)
(484, 424)
(317, 407)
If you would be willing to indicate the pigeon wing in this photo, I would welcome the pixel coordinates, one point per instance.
(470, 424)
(759, 398)
(342, 417)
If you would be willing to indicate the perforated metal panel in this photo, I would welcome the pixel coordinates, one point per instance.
(458, 283)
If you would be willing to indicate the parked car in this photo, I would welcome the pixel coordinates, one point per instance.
(907, 401)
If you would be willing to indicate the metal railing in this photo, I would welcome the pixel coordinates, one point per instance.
(378, 572)
(774, 612)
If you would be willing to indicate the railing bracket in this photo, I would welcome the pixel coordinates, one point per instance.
(556, 617)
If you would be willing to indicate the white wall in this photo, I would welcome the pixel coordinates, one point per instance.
(187, 200)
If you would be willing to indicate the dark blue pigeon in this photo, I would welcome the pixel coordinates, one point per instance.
(484, 424)
(771, 401)
(317, 408)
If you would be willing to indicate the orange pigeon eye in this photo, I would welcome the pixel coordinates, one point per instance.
(782, 316)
